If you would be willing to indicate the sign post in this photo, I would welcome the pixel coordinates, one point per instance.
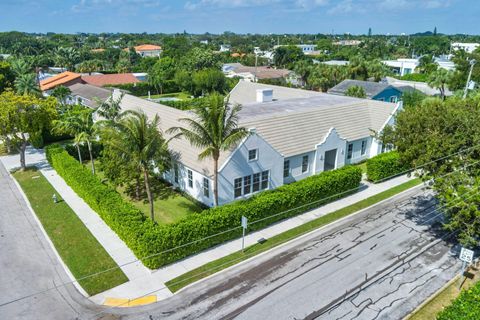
(466, 256)
(244, 227)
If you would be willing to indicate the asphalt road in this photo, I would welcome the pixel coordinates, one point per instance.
(29, 265)
(379, 264)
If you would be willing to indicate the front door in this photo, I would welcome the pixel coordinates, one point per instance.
(330, 160)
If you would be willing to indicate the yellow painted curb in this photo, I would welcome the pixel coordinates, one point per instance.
(120, 302)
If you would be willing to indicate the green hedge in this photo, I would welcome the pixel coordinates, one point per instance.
(466, 306)
(97, 148)
(384, 166)
(146, 238)
(141, 88)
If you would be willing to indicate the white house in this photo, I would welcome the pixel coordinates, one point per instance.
(406, 66)
(148, 50)
(294, 134)
(467, 47)
(225, 48)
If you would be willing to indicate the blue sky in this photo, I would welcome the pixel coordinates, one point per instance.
(241, 16)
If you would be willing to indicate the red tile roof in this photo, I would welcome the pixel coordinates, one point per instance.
(107, 79)
(60, 79)
(147, 47)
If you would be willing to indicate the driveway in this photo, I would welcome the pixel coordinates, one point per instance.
(29, 266)
(378, 264)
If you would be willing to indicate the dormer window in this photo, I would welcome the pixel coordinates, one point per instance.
(252, 155)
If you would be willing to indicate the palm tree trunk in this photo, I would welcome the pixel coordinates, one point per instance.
(215, 181)
(149, 193)
(91, 156)
(79, 153)
(137, 188)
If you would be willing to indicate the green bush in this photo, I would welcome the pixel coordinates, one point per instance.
(466, 306)
(141, 88)
(97, 148)
(146, 238)
(384, 166)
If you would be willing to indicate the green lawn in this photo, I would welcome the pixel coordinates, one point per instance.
(169, 205)
(227, 261)
(79, 249)
(178, 95)
(362, 166)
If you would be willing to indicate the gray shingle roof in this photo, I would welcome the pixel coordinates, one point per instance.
(90, 93)
(371, 88)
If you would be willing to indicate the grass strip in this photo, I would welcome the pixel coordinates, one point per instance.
(78, 248)
(236, 257)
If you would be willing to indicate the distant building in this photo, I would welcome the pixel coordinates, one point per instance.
(420, 86)
(225, 48)
(102, 80)
(334, 62)
(406, 66)
(307, 49)
(62, 79)
(373, 90)
(347, 43)
(148, 50)
(88, 95)
(253, 74)
(467, 47)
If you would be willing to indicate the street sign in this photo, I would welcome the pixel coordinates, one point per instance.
(244, 222)
(466, 255)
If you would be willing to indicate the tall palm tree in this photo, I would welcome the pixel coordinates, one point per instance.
(439, 79)
(26, 84)
(141, 144)
(109, 109)
(214, 129)
(81, 125)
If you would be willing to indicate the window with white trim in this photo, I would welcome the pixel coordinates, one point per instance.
(265, 180)
(206, 188)
(237, 187)
(364, 147)
(252, 154)
(286, 168)
(305, 164)
(256, 182)
(350, 151)
(175, 172)
(190, 178)
(393, 99)
(247, 184)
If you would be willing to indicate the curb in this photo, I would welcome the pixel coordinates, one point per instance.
(47, 238)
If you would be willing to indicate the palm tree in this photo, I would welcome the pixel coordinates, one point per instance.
(26, 84)
(356, 91)
(80, 124)
(439, 79)
(213, 129)
(20, 67)
(109, 109)
(141, 144)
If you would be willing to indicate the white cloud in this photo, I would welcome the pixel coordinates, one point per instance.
(84, 5)
(361, 6)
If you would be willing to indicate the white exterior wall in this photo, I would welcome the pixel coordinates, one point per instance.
(357, 151)
(150, 53)
(330, 142)
(196, 191)
(238, 166)
(296, 167)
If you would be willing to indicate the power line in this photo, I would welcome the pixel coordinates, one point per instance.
(235, 228)
(253, 253)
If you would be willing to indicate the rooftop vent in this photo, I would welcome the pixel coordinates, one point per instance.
(264, 95)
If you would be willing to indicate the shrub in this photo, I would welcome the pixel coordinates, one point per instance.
(146, 238)
(466, 306)
(97, 148)
(385, 165)
(141, 88)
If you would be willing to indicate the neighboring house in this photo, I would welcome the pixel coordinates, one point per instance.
(87, 95)
(467, 47)
(347, 43)
(253, 74)
(373, 90)
(102, 80)
(420, 86)
(406, 66)
(306, 48)
(148, 50)
(293, 136)
(66, 78)
(333, 62)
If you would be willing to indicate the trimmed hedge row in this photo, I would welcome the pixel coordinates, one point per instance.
(466, 306)
(146, 238)
(385, 165)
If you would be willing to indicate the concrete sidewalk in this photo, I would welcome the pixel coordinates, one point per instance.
(144, 282)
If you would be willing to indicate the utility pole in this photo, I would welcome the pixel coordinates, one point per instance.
(472, 63)
(256, 62)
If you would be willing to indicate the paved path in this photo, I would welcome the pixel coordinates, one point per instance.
(28, 265)
(378, 264)
(144, 282)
